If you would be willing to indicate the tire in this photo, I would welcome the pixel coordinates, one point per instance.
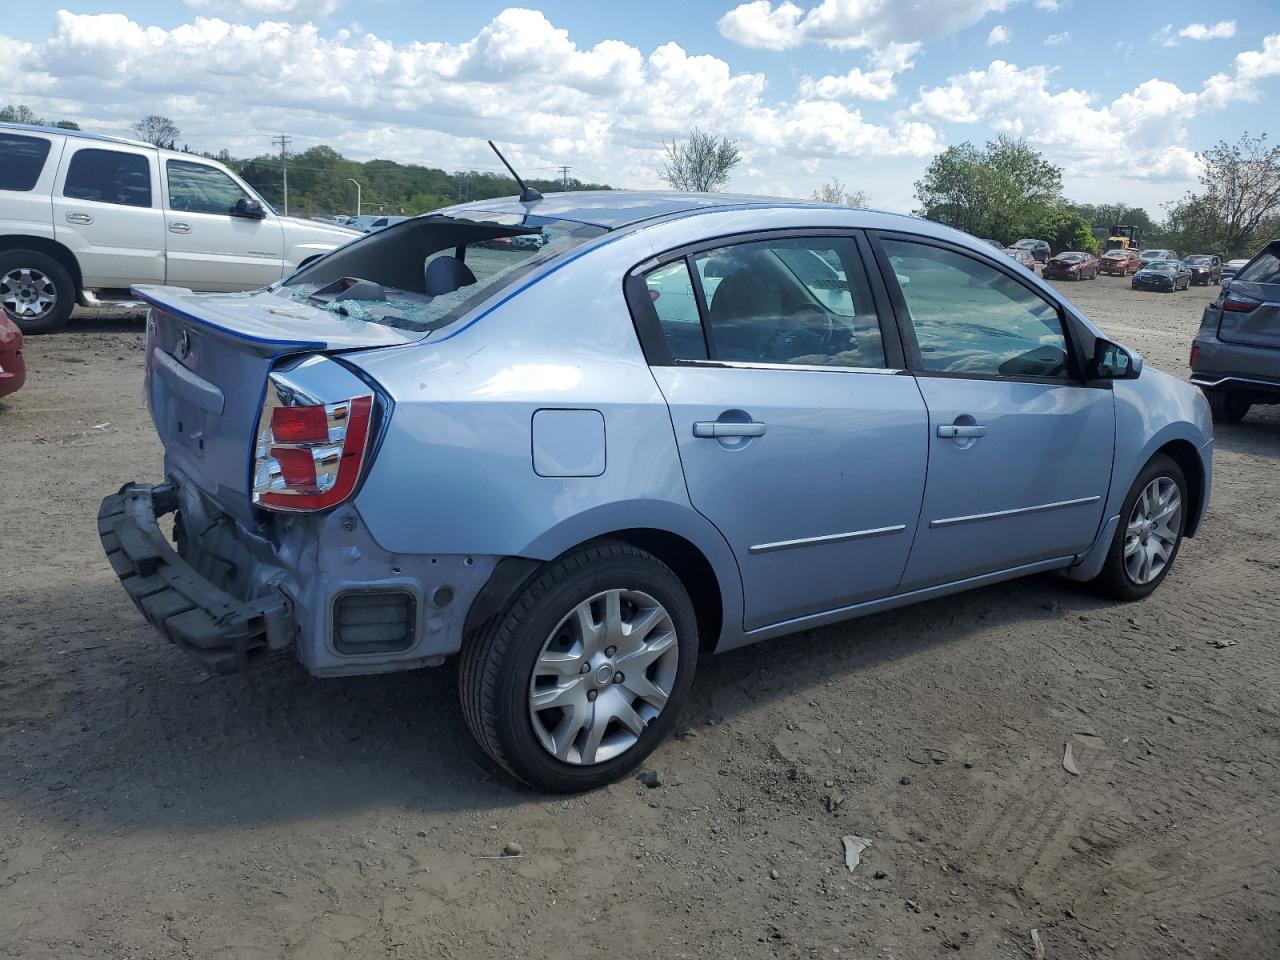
(1227, 407)
(1116, 580)
(27, 273)
(497, 680)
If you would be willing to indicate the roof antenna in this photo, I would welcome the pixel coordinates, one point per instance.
(527, 193)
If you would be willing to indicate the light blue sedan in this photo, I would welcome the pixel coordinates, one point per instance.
(675, 423)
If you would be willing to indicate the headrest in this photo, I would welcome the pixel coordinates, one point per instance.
(446, 274)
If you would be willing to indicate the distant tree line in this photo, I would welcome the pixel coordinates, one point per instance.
(21, 113)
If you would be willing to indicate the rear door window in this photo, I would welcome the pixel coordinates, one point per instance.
(109, 176)
(21, 160)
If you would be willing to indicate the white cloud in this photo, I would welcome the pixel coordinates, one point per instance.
(1056, 39)
(1222, 30)
(851, 24)
(874, 84)
(296, 11)
(1242, 82)
(605, 109)
(999, 34)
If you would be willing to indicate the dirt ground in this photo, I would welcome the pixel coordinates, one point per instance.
(148, 811)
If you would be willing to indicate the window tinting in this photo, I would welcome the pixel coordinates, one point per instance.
(970, 318)
(1265, 268)
(196, 188)
(21, 160)
(793, 301)
(671, 292)
(110, 177)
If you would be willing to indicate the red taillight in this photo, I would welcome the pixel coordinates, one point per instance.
(1195, 353)
(309, 457)
(1238, 303)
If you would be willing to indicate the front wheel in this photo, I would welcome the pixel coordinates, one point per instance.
(1146, 543)
(36, 292)
(577, 681)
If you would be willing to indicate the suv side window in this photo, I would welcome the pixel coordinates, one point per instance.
(21, 160)
(971, 319)
(197, 188)
(1265, 267)
(109, 176)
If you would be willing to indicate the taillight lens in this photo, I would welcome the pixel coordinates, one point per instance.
(1238, 303)
(309, 456)
(1195, 353)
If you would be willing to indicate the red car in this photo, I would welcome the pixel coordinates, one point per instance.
(1072, 265)
(1120, 263)
(13, 372)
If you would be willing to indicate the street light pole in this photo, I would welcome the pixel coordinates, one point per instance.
(357, 183)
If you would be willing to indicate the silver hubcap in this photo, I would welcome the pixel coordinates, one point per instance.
(27, 293)
(1152, 532)
(603, 675)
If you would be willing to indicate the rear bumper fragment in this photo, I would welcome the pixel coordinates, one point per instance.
(225, 634)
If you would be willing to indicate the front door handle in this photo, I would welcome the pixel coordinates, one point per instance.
(953, 430)
(179, 226)
(79, 218)
(719, 428)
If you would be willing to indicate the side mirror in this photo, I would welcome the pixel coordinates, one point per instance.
(251, 209)
(1225, 285)
(1114, 362)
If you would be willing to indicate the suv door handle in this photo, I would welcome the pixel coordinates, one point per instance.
(718, 428)
(179, 226)
(951, 430)
(79, 218)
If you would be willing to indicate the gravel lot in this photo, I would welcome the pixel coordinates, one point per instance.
(149, 811)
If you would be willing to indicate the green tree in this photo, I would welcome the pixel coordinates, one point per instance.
(1238, 202)
(702, 163)
(20, 113)
(999, 191)
(833, 191)
(157, 130)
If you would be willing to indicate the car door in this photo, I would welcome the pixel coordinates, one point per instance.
(106, 210)
(210, 247)
(798, 441)
(1020, 447)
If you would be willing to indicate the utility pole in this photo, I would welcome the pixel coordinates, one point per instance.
(564, 177)
(284, 165)
(357, 183)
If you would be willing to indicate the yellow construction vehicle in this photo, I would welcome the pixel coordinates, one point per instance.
(1123, 236)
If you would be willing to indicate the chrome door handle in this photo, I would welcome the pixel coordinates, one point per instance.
(79, 218)
(178, 226)
(952, 430)
(716, 428)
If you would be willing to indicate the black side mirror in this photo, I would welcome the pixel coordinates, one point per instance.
(250, 209)
(1113, 362)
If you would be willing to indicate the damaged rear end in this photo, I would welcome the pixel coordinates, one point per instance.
(269, 426)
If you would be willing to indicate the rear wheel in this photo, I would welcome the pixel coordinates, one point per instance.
(1146, 543)
(576, 682)
(1227, 407)
(36, 292)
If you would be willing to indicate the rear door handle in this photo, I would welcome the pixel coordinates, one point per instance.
(178, 226)
(717, 428)
(79, 218)
(952, 430)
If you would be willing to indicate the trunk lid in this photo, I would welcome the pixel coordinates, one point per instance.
(208, 356)
(1260, 327)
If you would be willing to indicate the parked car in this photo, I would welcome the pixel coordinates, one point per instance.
(1235, 357)
(995, 243)
(1167, 275)
(13, 370)
(367, 223)
(1039, 248)
(83, 217)
(1072, 265)
(1147, 256)
(1205, 268)
(580, 466)
(1023, 256)
(1232, 267)
(1119, 263)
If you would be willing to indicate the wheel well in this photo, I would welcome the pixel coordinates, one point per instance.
(50, 248)
(694, 571)
(1185, 456)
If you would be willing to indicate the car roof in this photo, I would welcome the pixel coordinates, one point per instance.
(79, 134)
(615, 209)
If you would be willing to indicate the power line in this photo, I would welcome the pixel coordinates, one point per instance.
(284, 142)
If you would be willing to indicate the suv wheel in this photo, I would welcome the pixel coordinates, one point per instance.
(1151, 523)
(1227, 407)
(36, 292)
(576, 682)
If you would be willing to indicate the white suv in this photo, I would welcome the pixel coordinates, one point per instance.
(84, 217)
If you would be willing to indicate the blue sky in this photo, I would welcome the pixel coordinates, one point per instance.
(863, 90)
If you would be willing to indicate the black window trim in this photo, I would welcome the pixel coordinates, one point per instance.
(69, 162)
(1077, 346)
(653, 341)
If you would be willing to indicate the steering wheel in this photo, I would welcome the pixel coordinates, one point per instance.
(799, 337)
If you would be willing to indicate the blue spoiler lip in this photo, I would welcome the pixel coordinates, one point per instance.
(275, 324)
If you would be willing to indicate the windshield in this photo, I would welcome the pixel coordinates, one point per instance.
(425, 273)
(1200, 261)
(1071, 257)
(1162, 266)
(1157, 254)
(1026, 244)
